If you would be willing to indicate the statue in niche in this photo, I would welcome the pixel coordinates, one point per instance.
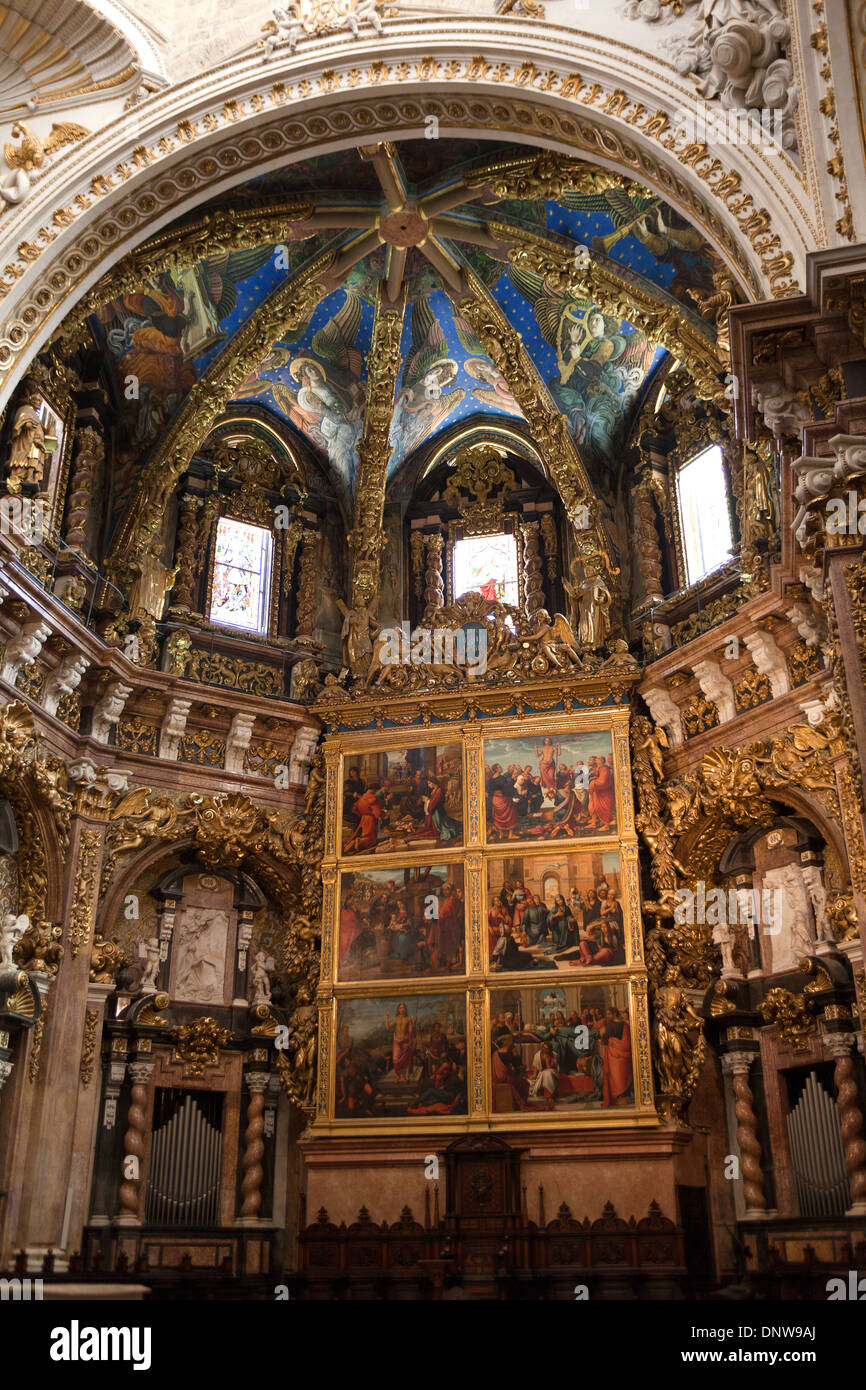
(591, 599)
(12, 928)
(27, 456)
(759, 504)
(818, 898)
(201, 964)
(149, 953)
(260, 978)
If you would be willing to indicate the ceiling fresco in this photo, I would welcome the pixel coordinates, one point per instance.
(161, 338)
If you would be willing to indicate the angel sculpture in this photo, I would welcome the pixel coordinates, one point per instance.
(144, 819)
(359, 630)
(12, 928)
(26, 160)
(553, 640)
(423, 403)
(652, 742)
(260, 978)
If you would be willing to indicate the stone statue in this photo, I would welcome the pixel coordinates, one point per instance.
(12, 928)
(27, 456)
(149, 953)
(818, 898)
(260, 978)
(725, 939)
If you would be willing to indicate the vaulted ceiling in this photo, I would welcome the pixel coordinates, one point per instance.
(419, 225)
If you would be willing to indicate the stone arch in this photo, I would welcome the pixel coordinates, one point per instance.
(218, 129)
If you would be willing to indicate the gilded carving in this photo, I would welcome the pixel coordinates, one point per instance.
(84, 894)
(788, 1011)
(88, 1047)
(198, 1044)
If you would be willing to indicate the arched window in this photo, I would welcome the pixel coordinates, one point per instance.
(705, 514)
(241, 576)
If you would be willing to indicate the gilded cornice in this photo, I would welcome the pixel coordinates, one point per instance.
(606, 684)
(103, 194)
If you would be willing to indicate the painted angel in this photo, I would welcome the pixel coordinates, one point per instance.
(328, 401)
(423, 403)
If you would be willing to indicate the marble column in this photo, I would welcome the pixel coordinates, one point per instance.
(841, 1045)
(253, 1149)
(133, 1145)
(736, 1065)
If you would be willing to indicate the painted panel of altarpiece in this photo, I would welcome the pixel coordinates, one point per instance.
(444, 930)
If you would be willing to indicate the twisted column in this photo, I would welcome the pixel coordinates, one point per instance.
(133, 1144)
(646, 542)
(89, 452)
(305, 620)
(841, 1045)
(253, 1146)
(533, 583)
(187, 551)
(416, 546)
(737, 1065)
(434, 587)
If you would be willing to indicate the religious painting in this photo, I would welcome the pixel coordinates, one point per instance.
(595, 364)
(553, 786)
(400, 1055)
(564, 1048)
(402, 923)
(555, 911)
(446, 374)
(403, 799)
(317, 380)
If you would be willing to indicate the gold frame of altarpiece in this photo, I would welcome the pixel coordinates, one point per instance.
(477, 982)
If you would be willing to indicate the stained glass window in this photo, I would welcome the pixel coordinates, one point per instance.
(241, 575)
(706, 520)
(488, 565)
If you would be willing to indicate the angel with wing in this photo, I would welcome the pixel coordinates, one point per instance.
(600, 365)
(423, 403)
(328, 404)
(666, 235)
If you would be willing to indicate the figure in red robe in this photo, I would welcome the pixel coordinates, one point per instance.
(547, 755)
(370, 811)
(618, 1072)
(602, 803)
(350, 926)
(502, 807)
